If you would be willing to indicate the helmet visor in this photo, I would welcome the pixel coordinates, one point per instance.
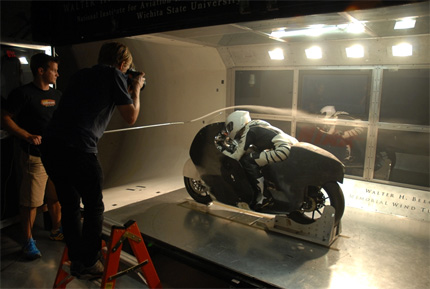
(229, 127)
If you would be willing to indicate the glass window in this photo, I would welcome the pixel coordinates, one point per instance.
(405, 96)
(285, 126)
(272, 88)
(347, 143)
(403, 157)
(345, 90)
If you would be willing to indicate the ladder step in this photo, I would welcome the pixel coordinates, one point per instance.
(113, 254)
(126, 271)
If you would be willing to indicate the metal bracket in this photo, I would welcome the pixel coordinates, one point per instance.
(125, 236)
(322, 231)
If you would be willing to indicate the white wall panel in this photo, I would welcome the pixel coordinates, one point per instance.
(184, 82)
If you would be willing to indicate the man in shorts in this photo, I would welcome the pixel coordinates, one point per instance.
(26, 114)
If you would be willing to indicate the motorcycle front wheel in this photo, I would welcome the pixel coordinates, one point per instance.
(197, 190)
(317, 198)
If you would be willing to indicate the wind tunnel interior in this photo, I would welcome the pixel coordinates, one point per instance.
(195, 72)
(196, 76)
(193, 76)
(184, 82)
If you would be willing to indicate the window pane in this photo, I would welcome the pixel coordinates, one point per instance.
(403, 157)
(405, 96)
(347, 143)
(285, 126)
(272, 88)
(346, 90)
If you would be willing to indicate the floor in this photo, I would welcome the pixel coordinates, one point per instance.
(374, 251)
(17, 272)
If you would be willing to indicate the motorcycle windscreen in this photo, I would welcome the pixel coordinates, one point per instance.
(224, 176)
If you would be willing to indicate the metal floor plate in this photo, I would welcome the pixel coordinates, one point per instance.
(374, 250)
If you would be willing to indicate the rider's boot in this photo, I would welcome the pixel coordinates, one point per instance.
(260, 189)
(260, 192)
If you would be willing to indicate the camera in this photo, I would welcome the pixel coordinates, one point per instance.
(131, 73)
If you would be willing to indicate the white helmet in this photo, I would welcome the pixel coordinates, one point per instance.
(329, 111)
(236, 121)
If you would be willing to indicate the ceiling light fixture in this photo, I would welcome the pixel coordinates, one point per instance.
(314, 52)
(313, 30)
(402, 49)
(276, 54)
(23, 60)
(355, 28)
(355, 51)
(405, 23)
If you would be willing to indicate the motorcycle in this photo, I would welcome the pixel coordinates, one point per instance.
(299, 187)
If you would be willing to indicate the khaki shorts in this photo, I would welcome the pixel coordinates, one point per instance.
(34, 182)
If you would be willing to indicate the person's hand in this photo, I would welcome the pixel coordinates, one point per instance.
(34, 139)
(138, 81)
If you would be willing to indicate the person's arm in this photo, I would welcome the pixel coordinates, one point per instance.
(241, 146)
(12, 127)
(130, 112)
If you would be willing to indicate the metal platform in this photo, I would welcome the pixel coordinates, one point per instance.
(374, 250)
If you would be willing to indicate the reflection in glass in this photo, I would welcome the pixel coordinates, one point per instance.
(405, 96)
(347, 143)
(272, 88)
(346, 90)
(285, 126)
(403, 157)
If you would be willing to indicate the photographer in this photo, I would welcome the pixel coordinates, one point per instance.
(69, 152)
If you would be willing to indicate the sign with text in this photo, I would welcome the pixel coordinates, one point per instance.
(411, 203)
(83, 21)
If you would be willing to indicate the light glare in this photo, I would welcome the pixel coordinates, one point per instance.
(403, 49)
(23, 60)
(355, 51)
(405, 23)
(355, 28)
(314, 52)
(276, 54)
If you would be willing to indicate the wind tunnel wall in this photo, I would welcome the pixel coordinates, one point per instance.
(184, 82)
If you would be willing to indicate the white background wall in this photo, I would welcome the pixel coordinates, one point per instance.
(184, 82)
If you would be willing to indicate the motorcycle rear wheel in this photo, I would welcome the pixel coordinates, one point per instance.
(197, 190)
(330, 194)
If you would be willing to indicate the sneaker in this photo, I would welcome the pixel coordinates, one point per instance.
(266, 203)
(88, 273)
(30, 250)
(57, 235)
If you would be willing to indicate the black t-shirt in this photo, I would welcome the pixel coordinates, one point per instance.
(87, 107)
(32, 109)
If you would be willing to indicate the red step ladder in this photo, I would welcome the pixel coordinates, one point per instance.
(118, 235)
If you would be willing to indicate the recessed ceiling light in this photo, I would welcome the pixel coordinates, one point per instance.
(276, 54)
(23, 60)
(402, 49)
(405, 23)
(355, 28)
(314, 52)
(355, 51)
